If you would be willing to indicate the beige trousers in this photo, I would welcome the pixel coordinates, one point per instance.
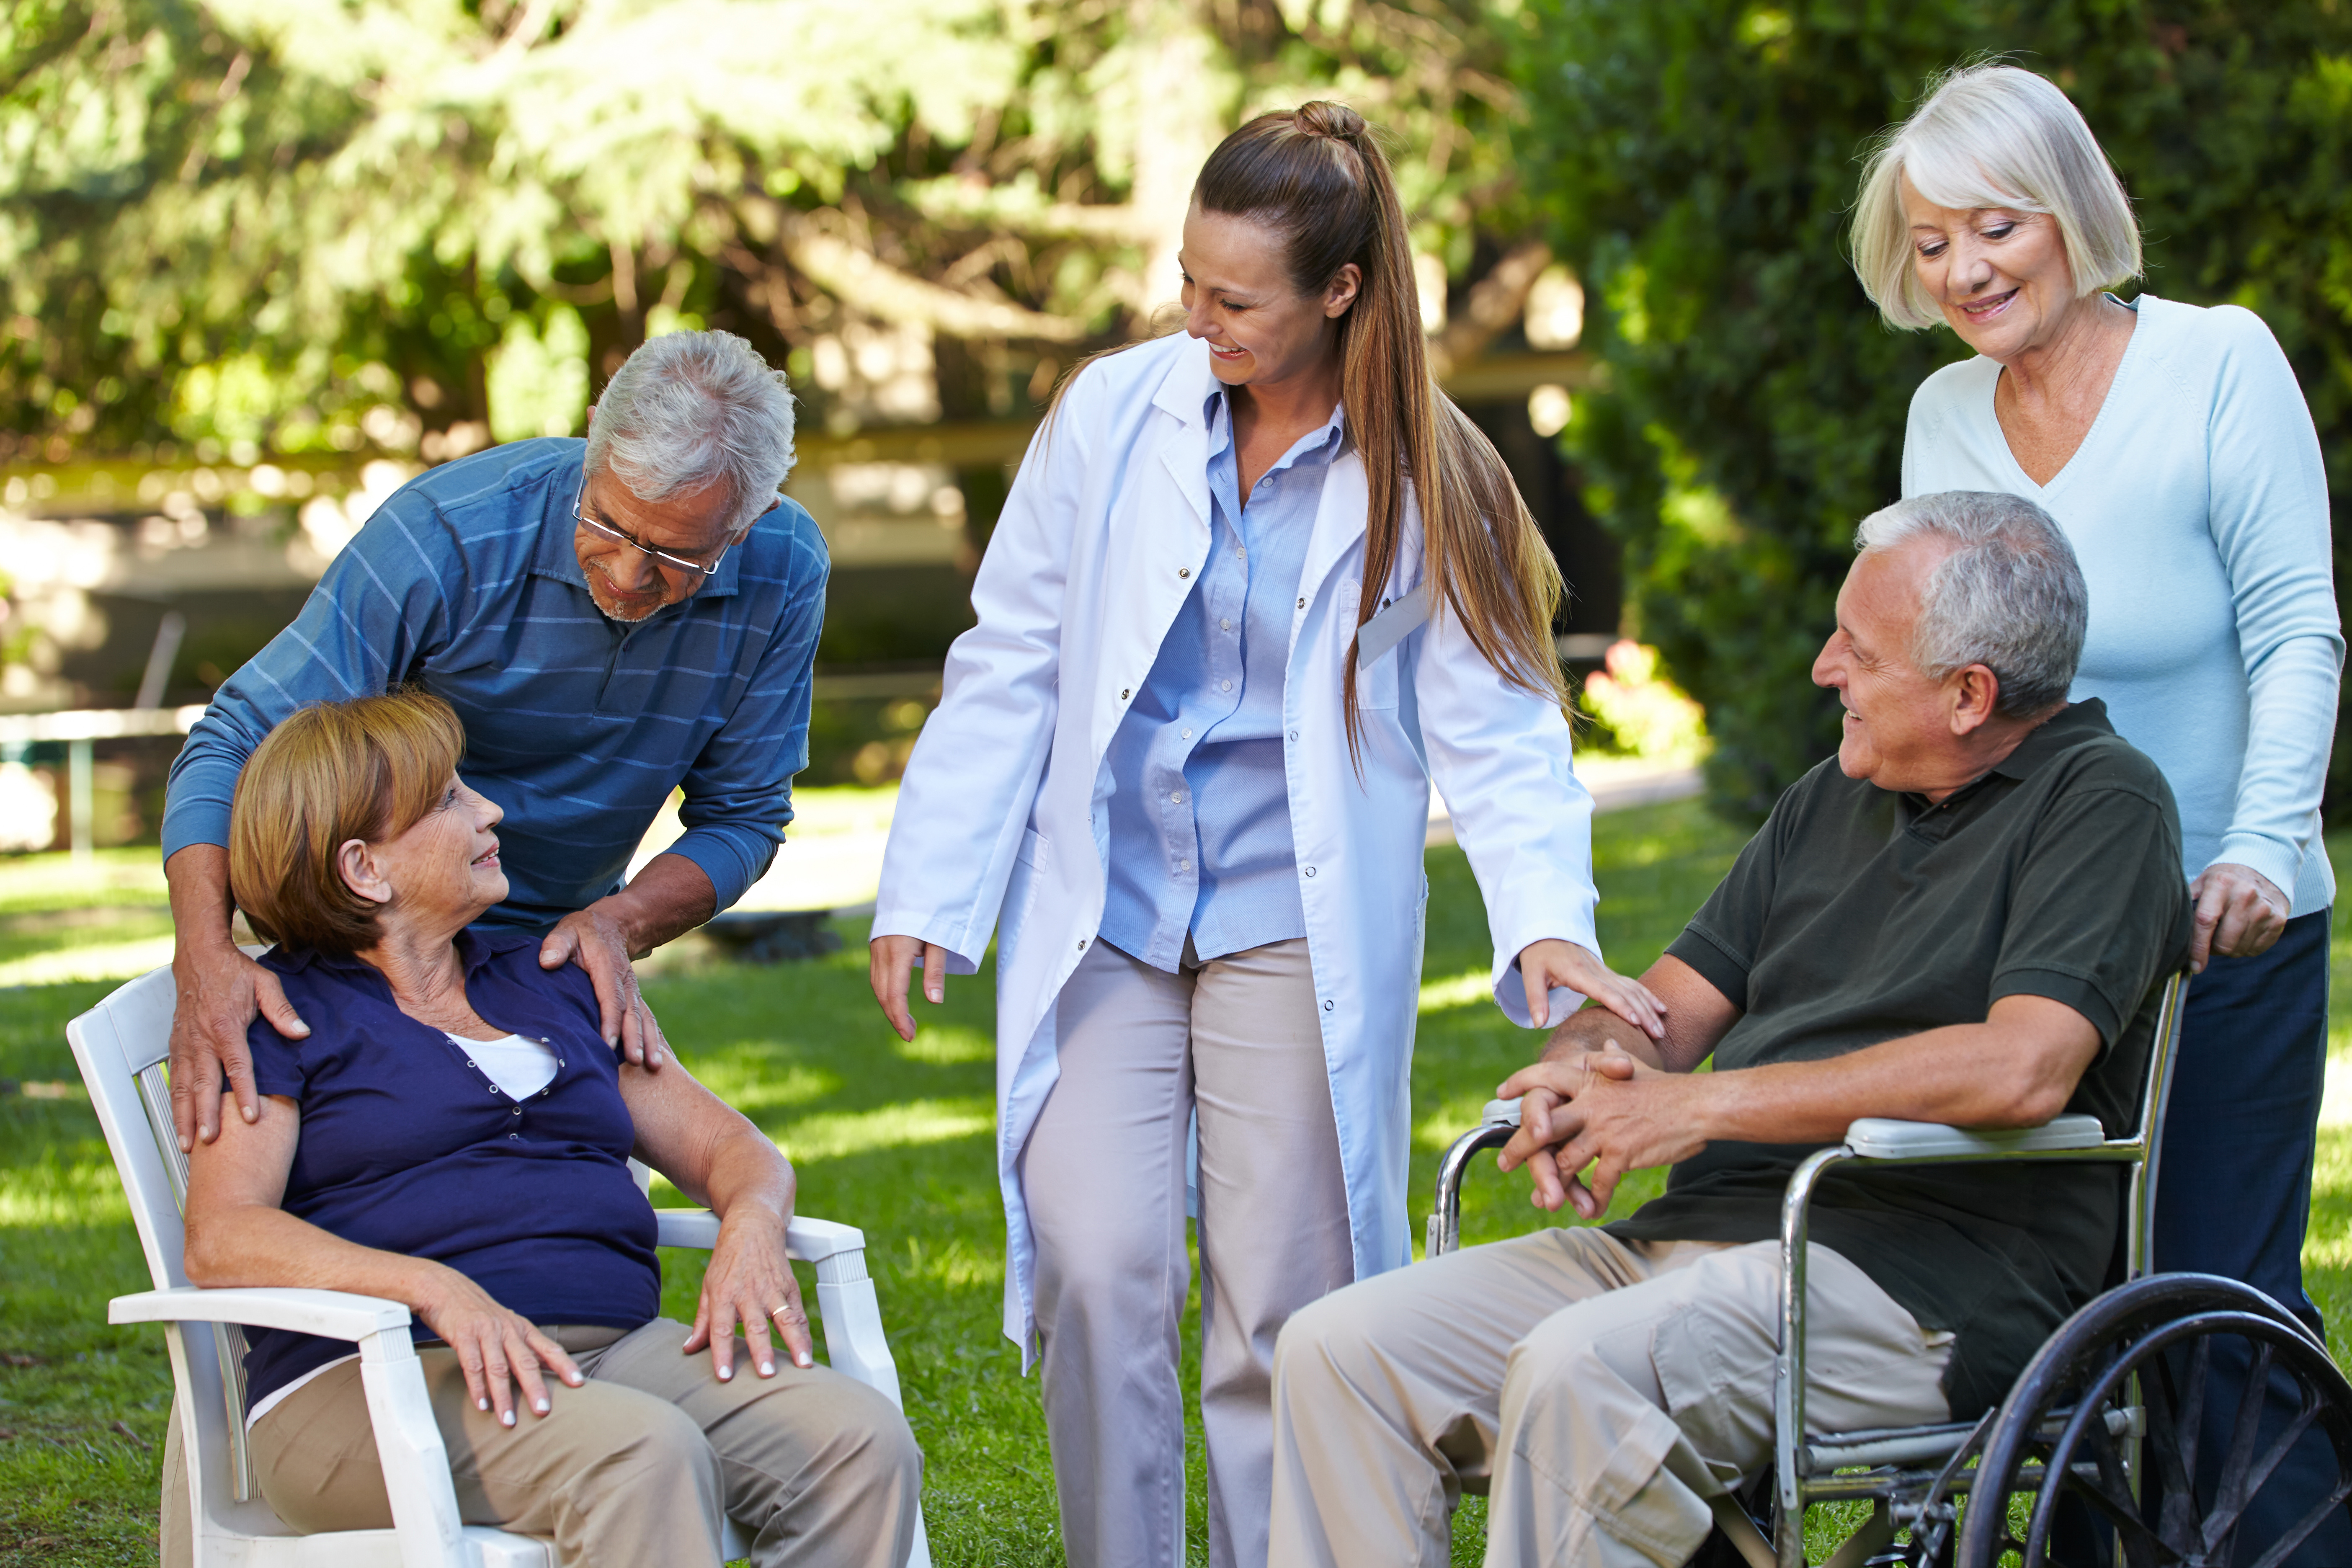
(636, 1466)
(1236, 1043)
(1602, 1390)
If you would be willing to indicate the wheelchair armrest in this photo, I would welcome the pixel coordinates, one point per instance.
(1882, 1138)
(331, 1314)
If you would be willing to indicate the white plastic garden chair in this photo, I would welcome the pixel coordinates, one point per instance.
(120, 1046)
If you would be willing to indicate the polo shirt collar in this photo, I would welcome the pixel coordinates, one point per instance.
(2062, 731)
(555, 556)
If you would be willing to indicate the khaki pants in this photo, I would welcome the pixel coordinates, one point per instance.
(636, 1466)
(1603, 1390)
(1234, 1041)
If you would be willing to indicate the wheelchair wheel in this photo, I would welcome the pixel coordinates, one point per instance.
(2110, 1431)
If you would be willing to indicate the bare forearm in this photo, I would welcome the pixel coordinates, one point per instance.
(1967, 1075)
(267, 1247)
(669, 898)
(201, 906)
(1696, 1016)
(750, 1174)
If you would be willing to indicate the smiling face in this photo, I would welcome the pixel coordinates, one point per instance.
(439, 874)
(1999, 275)
(1238, 300)
(626, 583)
(1900, 731)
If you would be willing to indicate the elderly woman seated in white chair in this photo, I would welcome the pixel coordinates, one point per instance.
(455, 1134)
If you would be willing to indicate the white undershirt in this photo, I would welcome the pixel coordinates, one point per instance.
(521, 1069)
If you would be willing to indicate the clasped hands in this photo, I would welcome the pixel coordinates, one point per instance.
(1602, 1109)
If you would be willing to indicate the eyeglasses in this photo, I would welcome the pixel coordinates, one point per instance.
(696, 570)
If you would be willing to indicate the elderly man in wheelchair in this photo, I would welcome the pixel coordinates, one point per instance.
(1966, 918)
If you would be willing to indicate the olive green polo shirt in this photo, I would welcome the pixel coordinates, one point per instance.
(1858, 915)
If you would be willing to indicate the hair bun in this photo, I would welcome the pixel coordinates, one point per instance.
(1324, 117)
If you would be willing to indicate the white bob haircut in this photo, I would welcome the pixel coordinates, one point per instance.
(2010, 595)
(690, 409)
(1991, 136)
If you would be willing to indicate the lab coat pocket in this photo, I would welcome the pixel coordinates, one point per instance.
(1376, 683)
(1020, 887)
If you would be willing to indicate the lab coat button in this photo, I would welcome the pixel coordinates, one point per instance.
(1302, 604)
(1310, 870)
(1184, 571)
(1082, 944)
(1327, 1006)
(1122, 694)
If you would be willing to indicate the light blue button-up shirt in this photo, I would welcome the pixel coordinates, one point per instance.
(1200, 814)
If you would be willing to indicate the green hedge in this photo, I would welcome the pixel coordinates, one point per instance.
(1696, 160)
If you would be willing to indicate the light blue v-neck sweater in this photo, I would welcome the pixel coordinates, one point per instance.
(2198, 507)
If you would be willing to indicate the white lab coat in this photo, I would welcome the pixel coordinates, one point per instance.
(1002, 822)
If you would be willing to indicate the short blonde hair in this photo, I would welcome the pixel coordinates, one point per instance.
(1991, 135)
(366, 769)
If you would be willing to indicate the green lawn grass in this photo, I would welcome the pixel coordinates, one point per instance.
(890, 1137)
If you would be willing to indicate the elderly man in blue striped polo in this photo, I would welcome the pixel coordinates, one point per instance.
(612, 619)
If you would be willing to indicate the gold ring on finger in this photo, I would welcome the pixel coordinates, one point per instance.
(780, 1311)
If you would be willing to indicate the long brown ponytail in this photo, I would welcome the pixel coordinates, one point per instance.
(1315, 175)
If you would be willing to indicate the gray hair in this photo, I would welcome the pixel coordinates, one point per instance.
(1991, 135)
(691, 408)
(2009, 597)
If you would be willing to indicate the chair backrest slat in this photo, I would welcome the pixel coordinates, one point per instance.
(121, 1045)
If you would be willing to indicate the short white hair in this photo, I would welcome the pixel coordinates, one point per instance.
(2010, 595)
(690, 409)
(1991, 135)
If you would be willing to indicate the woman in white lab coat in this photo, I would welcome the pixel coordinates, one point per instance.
(1182, 767)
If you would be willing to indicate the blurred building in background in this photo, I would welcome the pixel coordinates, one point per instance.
(274, 260)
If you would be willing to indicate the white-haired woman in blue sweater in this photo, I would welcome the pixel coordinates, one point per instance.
(2173, 445)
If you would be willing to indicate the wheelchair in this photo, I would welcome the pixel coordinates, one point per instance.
(2091, 1459)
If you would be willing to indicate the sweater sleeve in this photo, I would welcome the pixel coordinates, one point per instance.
(2269, 517)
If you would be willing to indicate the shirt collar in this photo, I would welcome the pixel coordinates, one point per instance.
(475, 948)
(1217, 414)
(557, 558)
(2063, 730)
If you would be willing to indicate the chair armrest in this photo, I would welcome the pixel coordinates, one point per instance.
(687, 1228)
(1882, 1138)
(814, 1240)
(809, 1240)
(331, 1314)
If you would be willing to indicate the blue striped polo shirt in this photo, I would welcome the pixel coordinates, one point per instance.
(465, 582)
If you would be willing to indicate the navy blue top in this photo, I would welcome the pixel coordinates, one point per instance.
(408, 1147)
(465, 582)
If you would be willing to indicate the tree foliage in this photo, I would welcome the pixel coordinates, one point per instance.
(1698, 160)
(302, 224)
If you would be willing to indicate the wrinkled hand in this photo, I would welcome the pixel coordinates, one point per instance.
(1552, 963)
(2240, 913)
(219, 989)
(593, 939)
(890, 962)
(1602, 1109)
(750, 1281)
(498, 1349)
